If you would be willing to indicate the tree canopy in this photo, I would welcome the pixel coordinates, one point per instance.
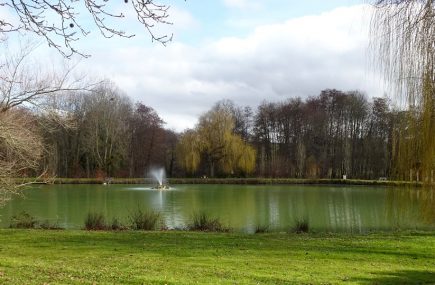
(214, 142)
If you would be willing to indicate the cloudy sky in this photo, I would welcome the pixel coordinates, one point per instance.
(247, 51)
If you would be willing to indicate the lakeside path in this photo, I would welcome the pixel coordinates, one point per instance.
(176, 257)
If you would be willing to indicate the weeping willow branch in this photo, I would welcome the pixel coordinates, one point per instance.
(403, 41)
(403, 34)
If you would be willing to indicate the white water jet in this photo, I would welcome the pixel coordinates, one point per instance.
(159, 175)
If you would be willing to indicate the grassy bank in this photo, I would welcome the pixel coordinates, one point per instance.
(80, 257)
(247, 181)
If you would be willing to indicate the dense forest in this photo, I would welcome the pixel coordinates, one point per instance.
(104, 134)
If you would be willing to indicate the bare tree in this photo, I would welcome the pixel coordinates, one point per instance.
(24, 91)
(147, 140)
(104, 128)
(23, 83)
(61, 22)
(20, 151)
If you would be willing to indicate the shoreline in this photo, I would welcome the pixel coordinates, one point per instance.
(229, 181)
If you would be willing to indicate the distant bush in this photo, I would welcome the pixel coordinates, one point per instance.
(139, 220)
(261, 229)
(26, 221)
(116, 225)
(301, 226)
(146, 221)
(23, 221)
(95, 222)
(47, 225)
(203, 222)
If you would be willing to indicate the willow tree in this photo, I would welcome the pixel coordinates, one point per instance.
(189, 151)
(214, 143)
(403, 38)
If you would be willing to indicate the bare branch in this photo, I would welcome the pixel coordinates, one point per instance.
(60, 22)
(21, 83)
(20, 150)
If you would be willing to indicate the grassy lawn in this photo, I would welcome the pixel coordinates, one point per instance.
(80, 257)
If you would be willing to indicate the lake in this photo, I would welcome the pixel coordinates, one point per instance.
(243, 207)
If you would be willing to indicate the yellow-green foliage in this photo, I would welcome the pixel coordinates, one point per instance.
(428, 128)
(240, 157)
(247, 160)
(215, 132)
(402, 38)
(188, 151)
(214, 140)
(414, 146)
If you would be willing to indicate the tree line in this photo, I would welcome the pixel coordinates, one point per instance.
(104, 134)
(351, 135)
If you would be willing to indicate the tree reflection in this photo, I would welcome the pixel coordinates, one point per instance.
(411, 207)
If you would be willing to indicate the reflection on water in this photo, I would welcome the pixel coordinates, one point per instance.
(411, 205)
(326, 208)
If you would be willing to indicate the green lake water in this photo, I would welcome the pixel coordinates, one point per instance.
(326, 208)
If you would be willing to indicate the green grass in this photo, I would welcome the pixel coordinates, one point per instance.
(82, 257)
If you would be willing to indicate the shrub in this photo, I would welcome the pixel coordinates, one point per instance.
(301, 226)
(261, 229)
(23, 221)
(95, 221)
(203, 222)
(116, 225)
(146, 221)
(46, 225)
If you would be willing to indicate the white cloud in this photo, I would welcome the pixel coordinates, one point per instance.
(299, 57)
(181, 20)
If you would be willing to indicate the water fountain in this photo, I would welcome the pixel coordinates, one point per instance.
(159, 175)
